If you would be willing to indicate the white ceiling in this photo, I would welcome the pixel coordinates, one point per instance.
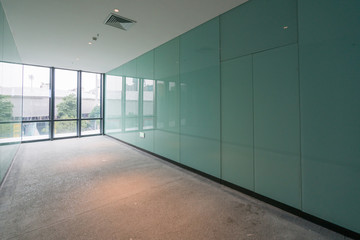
(56, 32)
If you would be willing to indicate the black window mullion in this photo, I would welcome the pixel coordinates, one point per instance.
(141, 102)
(123, 104)
(79, 83)
(102, 101)
(155, 105)
(52, 102)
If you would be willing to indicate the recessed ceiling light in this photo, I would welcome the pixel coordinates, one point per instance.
(116, 10)
(286, 27)
(90, 43)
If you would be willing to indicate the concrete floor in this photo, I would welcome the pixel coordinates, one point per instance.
(99, 188)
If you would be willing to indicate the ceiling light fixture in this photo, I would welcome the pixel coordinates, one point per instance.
(116, 10)
(90, 43)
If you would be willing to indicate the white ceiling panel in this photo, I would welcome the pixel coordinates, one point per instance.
(57, 32)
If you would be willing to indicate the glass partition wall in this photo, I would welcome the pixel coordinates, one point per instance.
(11, 76)
(42, 103)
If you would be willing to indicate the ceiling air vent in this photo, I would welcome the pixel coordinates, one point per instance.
(119, 22)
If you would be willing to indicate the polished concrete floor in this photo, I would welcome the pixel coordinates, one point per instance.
(99, 188)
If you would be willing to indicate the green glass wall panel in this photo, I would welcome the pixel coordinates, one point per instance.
(167, 60)
(276, 125)
(7, 153)
(262, 99)
(2, 21)
(145, 138)
(10, 96)
(237, 122)
(330, 109)
(11, 76)
(258, 25)
(145, 65)
(129, 137)
(129, 68)
(132, 109)
(166, 136)
(119, 71)
(113, 104)
(10, 52)
(146, 142)
(200, 98)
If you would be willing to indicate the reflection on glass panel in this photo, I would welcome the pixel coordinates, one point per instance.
(148, 97)
(36, 93)
(113, 105)
(132, 97)
(35, 131)
(89, 127)
(10, 91)
(65, 129)
(131, 124)
(167, 96)
(113, 125)
(113, 96)
(161, 104)
(10, 132)
(148, 123)
(90, 95)
(65, 94)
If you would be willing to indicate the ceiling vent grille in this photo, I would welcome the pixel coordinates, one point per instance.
(119, 22)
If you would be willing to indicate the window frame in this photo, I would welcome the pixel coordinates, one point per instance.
(51, 121)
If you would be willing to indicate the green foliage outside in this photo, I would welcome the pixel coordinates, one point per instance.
(6, 114)
(67, 109)
(89, 125)
(95, 113)
(6, 108)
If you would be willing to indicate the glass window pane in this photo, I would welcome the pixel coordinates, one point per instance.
(132, 97)
(89, 127)
(65, 94)
(36, 93)
(10, 132)
(148, 97)
(90, 95)
(65, 129)
(35, 131)
(10, 91)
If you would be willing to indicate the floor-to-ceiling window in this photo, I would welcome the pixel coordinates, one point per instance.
(66, 103)
(36, 103)
(90, 103)
(43, 103)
